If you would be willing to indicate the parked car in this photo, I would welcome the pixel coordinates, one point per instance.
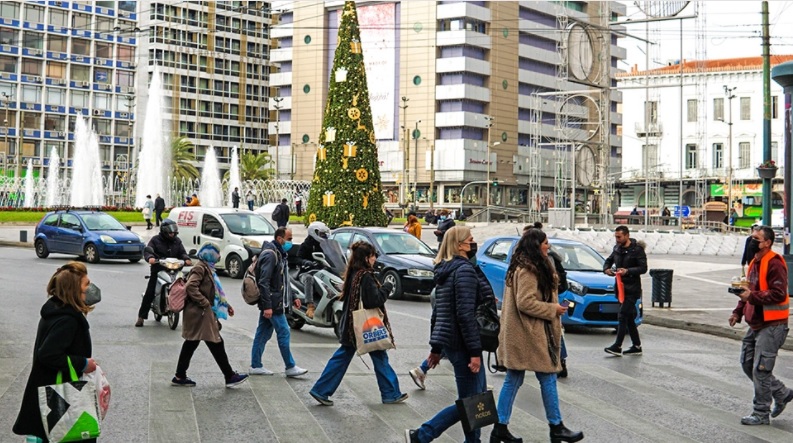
(403, 260)
(591, 293)
(93, 235)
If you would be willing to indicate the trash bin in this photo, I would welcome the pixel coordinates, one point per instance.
(662, 286)
(23, 236)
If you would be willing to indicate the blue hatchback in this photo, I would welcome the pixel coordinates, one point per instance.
(591, 293)
(90, 234)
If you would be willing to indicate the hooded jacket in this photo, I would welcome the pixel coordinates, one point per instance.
(272, 279)
(634, 260)
(457, 293)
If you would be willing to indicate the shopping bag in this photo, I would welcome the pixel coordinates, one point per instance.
(477, 411)
(102, 387)
(69, 411)
(620, 289)
(371, 333)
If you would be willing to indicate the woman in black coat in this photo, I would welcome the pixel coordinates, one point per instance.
(62, 332)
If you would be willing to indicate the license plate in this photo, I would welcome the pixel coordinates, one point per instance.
(131, 248)
(609, 308)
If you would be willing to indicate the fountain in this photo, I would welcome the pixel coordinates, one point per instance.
(234, 173)
(53, 181)
(86, 182)
(30, 194)
(154, 160)
(210, 193)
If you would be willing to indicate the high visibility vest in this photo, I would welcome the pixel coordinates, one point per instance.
(781, 310)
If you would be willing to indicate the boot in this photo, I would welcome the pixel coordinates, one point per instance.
(310, 310)
(501, 434)
(559, 434)
(563, 372)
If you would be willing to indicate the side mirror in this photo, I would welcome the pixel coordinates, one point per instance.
(192, 254)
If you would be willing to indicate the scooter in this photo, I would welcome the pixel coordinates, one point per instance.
(159, 306)
(324, 289)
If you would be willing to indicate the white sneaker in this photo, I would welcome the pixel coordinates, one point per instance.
(418, 377)
(295, 371)
(260, 371)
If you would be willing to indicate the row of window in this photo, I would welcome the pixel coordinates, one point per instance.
(692, 110)
(67, 45)
(59, 18)
(221, 65)
(718, 153)
(63, 71)
(201, 40)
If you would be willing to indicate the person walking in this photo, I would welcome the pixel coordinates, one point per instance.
(204, 306)
(63, 338)
(148, 211)
(413, 226)
(665, 213)
(249, 199)
(299, 203)
(360, 286)
(281, 214)
(765, 304)
(444, 224)
(749, 249)
(531, 334)
(159, 207)
(454, 330)
(629, 260)
(235, 198)
(274, 299)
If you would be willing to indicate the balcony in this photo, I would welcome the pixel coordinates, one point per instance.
(463, 37)
(462, 64)
(462, 92)
(652, 130)
(463, 9)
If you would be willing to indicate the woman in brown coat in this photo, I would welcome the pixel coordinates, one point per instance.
(530, 334)
(204, 304)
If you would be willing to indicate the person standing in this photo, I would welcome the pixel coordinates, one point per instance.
(281, 214)
(299, 203)
(360, 287)
(194, 201)
(413, 226)
(665, 213)
(749, 249)
(159, 207)
(531, 334)
(63, 338)
(274, 298)
(204, 306)
(148, 210)
(235, 198)
(629, 260)
(249, 199)
(765, 305)
(444, 224)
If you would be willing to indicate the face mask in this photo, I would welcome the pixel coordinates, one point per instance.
(471, 253)
(755, 244)
(287, 245)
(443, 217)
(93, 295)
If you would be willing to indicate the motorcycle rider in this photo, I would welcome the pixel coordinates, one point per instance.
(317, 232)
(165, 245)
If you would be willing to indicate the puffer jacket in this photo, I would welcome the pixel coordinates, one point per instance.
(457, 292)
(634, 260)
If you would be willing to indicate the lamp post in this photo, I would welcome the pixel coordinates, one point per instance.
(730, 96)
(406, 154)
(277, 107)
(6, 97)
(432, 173)
(416, 135)
(490, 120)
(130, 105)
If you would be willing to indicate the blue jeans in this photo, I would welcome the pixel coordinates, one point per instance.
(509, 390)
(468, 384)
(337, 366)
(263, 333)
(425, 366)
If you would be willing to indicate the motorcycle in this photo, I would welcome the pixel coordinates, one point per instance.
(172, 269)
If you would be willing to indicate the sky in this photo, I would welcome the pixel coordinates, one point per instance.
(732, 29)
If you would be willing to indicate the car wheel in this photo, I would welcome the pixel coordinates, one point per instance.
(134, 260)
(41, 249)
(91, 253)
(234, 266)
(396, 289)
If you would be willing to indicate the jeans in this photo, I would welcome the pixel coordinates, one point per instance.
(337, 366)
(250, 205)
(148, 296)
(263, 333)
(509, 390)
(627, 319)
(218, 351)
(759, 350)
(424, 366)
(468, 384)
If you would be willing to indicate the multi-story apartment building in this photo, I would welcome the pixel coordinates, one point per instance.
(450, 82)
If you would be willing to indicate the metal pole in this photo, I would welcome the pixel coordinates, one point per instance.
(432, 173)
(682, 145)
(20, 137)
(277, 107)
(405, 177)
(5, 123)
(572, 189)
(416, 163)
(766, 114)
(647, 126)
(462, 192)
(730, 96)
(487, 164)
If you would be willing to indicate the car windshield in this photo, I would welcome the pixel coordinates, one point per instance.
(248, 224)
(401, 243)
(576, 257)
(99, 221)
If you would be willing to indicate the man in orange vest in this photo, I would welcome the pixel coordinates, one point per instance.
(765, 305)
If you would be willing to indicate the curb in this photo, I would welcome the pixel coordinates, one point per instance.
(718, 331)
(16, 244)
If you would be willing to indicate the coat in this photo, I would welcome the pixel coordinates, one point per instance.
(159, 204)
(523, 343)
(148, 204)
(371, 296)
(62, 332)
(413, 227)
(634, 259)
(281, 214)
(199, 321)
(272, 279)
(443, 226)
(457, 293)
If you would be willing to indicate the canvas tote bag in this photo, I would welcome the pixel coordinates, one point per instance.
(69, 411)
(371, 333)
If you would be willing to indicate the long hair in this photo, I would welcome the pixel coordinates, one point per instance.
(359, 260)
(451, 240)
(528, 255)
(66, 286)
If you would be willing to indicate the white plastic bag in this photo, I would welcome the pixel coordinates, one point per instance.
(99, 380)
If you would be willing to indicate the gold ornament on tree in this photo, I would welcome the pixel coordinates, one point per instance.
(350, 149)
(329, 199)
(344, 162)
(348, 222)
(312, 218)
(354, 113)
(322, 153)
(355, 46)
(366, 200)
(372, 138)
(362, 175)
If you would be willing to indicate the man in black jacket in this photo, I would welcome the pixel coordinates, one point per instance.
(274, 297)
(159, 207)
(629, 260)
(281, 214)
(235, 198)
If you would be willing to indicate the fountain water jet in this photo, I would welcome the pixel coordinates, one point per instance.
(86, 182)
(154, 159)
(30, 194)
(234, 173)
(53, 181)
(210, 193)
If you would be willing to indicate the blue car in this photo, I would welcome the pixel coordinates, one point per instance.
(593, 301)
(92, 235)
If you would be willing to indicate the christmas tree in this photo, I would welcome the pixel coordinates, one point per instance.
(346, 188)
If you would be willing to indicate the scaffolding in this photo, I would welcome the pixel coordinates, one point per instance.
(700, 95)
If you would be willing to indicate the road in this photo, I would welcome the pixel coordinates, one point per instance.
(687, 386)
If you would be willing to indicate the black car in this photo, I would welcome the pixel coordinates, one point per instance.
(403, 260)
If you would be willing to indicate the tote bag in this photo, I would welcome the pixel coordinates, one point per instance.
(371, 333)
(69, 411)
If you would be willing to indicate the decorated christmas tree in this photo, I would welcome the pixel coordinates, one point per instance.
(346, 188)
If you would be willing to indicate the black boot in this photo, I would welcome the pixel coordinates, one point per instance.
(501, 434)
(563, 372)
(559, 434)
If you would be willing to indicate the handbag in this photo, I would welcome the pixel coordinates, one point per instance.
(371, 334)
(620, 289)
(69, 411)
(477, 411)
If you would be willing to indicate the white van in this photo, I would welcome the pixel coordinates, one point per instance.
(239, 233)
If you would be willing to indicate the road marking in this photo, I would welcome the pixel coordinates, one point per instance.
(649, 309)
(405, 314)
(287, 415)
(172, 415)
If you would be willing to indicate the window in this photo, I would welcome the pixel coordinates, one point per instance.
(101, 101)
(34, 14)
(31, 67)
(211, 226)
(58, 18)
(56, 70)
(102, 76)
(746, 108)
(124, 78)
(499, 250)
(744, 155)
(123, 129)
(54, 122)
(8, 36)
(774, 106)
(81, 47)
(51, 220)
(31, 94)
(79, 99)
(651, 112)
(31, 120)
(718, 109)
(33, 40)
(126, 53)
(81, 22)
(102, 126)
(692, 110)
(104, 24)
(70, 221)
(81, 73)
(56, 43)
(9, 10)
(691, 156)
(104, 50)
(775, 152)
(718, 155)
(56, 96)
(650, 156)
(8, 64)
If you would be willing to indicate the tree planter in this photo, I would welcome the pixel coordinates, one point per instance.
(767, 172)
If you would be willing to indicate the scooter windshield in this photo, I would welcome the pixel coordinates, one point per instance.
(334, 255)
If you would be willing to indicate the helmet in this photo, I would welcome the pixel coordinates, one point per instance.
(318, 230)
(168, 226)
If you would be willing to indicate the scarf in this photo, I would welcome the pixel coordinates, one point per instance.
(210, 255)
(355, 296)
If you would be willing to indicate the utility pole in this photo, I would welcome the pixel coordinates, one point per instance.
(406, 154)
(730, 96)
(21, 139)
(416, 135)
(490, 120)
(432, 173)
(277, 107)
(6, 97)
(766, 114)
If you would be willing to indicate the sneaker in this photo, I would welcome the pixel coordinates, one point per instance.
(418, 377)
(396, 401)
(633, 350)
(260, 371)
(139, 323)
(186, 382)
(411, 436)
(295, 371)
(236, 379)
(614, 350)
(320, 400)
(780, 405)
(755, 419)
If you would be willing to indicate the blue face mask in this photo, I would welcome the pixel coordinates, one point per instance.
(287, 246)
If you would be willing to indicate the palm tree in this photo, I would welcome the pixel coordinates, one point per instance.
(254, 166)
(182, 158)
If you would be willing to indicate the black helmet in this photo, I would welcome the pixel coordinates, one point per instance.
(168, 226)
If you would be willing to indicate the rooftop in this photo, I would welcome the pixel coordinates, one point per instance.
(720, 65)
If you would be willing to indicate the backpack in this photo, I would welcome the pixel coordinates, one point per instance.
(250, 290)
(276, 215)
(489, 324)
(177, 295)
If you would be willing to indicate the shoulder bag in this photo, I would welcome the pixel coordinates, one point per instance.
(371, 334)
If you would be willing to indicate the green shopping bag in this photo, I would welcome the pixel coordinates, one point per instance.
(69, 411)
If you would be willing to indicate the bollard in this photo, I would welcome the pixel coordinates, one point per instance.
(23, 236)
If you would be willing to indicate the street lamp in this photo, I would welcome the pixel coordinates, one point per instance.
(490, 120)
(730, 96)
(405, 167)
(416, 135)
(277, 107)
